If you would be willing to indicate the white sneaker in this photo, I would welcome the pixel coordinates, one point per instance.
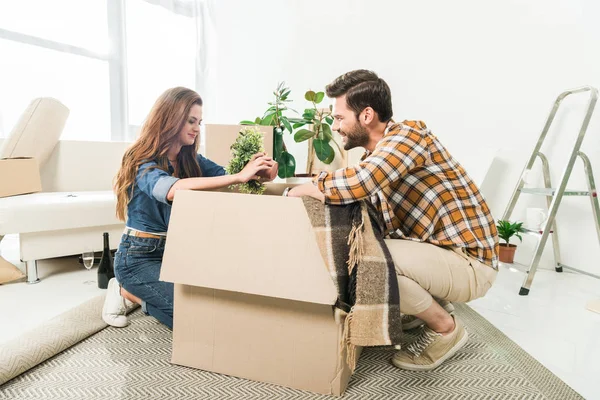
(115, 307)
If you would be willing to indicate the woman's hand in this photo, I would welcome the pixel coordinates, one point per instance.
(259, 162)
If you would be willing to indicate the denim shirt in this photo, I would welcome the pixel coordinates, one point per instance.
(149, 210)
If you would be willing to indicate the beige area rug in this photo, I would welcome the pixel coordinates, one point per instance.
(133, 363)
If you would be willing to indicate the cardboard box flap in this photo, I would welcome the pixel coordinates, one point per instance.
(262, 245)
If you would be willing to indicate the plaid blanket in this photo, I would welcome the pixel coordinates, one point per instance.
(350, 239)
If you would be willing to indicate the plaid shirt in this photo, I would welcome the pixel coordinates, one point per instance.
(423, 193)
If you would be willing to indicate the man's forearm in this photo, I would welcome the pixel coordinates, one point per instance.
(307, 189)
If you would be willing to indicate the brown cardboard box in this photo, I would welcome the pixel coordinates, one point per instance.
(9, 272)
(253, 297)
(219, 139)
(19, 176)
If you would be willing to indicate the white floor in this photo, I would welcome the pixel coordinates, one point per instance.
(552, 323)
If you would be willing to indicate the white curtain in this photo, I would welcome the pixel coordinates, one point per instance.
(203, 13)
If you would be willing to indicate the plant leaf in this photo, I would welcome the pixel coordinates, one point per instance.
(319, 97)
(287, 165)
(269, 113)
(299, 124)
(506, 230)
(327, 134)
(309, 114)
(287, 124)
(302, 135)
(322, 149)
(310, 95)
(330, 158)
(268, 120)
(329, 120)
(246, 122)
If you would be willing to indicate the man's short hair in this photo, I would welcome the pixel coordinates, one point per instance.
(363, 89)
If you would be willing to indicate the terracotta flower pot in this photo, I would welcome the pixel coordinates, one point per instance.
(507, 253)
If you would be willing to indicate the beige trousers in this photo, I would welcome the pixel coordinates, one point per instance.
(426, 271)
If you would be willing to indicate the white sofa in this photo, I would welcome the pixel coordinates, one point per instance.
(75, 207)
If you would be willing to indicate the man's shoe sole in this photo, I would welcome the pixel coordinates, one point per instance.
(415, 367)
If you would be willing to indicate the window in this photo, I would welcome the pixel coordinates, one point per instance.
(81, 83)
(107, 60)
(161, 53)
(56, 49)
(73, 22)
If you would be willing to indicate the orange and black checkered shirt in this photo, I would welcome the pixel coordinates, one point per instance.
(423, 193)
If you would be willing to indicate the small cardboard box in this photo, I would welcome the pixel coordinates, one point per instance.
(219, 139)
(19, 176)
(253, 297)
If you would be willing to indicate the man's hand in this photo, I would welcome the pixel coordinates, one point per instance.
(307, 189)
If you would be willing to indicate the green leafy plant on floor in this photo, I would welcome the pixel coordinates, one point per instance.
(506, 230)
(248, 143)
(319, 135)
(274, 116)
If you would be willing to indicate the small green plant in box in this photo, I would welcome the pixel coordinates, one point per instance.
(248, 143)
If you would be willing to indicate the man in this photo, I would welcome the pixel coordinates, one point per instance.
(443, 238)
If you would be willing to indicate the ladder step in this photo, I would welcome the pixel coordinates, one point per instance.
(533, 233)
(551, 191)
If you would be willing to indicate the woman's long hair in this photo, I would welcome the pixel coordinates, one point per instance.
(160, 131)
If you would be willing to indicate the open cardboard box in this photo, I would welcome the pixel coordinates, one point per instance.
(253, 297)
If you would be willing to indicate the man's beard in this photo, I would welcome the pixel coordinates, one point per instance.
(356, 136)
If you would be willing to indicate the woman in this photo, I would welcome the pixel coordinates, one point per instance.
(162, 160)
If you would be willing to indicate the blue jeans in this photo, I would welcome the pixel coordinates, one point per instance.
(137, 268)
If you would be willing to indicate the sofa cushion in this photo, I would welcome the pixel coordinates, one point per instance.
(37, 130)
(53, 211)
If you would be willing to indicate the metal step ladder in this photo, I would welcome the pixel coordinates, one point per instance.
(554, 195)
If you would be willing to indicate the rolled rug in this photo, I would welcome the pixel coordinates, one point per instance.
(47, 340)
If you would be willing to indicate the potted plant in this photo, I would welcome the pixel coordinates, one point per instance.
(506, 230)
(274, 116)
(318, 132)
(248, 143)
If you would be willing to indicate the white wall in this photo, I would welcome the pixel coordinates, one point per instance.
(482, 74)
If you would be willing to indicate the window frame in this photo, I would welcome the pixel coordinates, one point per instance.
(121, 130)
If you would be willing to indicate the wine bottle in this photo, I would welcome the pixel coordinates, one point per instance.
(105, 269)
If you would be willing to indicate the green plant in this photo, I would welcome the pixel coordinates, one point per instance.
(274, 116)
(320, 134)
(506, 230)
(248, 143)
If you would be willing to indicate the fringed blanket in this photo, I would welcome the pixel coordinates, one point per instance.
(351, 242)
